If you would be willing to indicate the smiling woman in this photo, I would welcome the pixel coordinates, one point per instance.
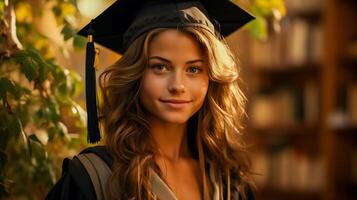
(185, 90)
(175, 82)
(172, 110)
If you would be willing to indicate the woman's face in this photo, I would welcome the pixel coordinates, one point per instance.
(176, 80)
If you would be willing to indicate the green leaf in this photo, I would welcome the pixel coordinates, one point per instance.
(11, 129)
(4, 129)
(67, 32)
(48, 112)
(32, 61)
(22, 90)
(15, 89)
(43, 73)
(57, 72)
(34, 138)
(57, 11)
(6, 86)
(79, 42)
(2, 8)
(15, 127)
(51, 133)
(53, 109)
(22, 133)
(76, 83)
(63, 89)
(258, 28)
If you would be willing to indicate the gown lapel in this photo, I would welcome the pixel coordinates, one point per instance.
(160, 189)
(163, 191)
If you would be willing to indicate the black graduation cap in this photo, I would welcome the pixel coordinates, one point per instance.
(126, 20)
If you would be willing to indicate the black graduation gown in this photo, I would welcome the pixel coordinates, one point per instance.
(75, 183)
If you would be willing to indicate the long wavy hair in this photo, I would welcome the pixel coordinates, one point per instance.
(216, 127)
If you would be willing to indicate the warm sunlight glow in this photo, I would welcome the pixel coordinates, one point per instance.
(91, 8)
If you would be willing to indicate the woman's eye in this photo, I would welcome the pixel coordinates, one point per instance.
(194, 70)
(159, 67)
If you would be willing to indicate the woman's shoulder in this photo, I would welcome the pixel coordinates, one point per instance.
(102, 152)
(75, 182)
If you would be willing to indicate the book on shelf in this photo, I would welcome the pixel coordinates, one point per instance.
(266, 53)
(288, 169)
(262, 111)
(311, 102)
(345, 114)
(299, 42)
(285, 106)
(315, 44)
(272, 110)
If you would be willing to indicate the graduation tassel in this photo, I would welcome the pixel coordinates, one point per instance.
(91, 94)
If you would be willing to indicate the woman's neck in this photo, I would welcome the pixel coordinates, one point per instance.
(171, 139)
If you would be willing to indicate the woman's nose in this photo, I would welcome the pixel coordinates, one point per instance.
(176, 83)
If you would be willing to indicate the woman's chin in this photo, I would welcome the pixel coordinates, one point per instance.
(175, 119)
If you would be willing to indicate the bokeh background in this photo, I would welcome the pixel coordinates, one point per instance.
(298, 64)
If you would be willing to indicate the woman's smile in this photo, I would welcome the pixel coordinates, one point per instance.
(176, 103)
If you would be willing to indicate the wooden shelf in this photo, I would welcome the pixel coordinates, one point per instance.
(349, 63)
(334, 146)
(288, 68)
(348, 190)
(286, 129)
(287, 194)
(301, 136)
(308, 69)
(347, 186)
(346, 131)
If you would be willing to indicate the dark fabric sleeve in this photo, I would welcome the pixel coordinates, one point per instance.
(74, 183)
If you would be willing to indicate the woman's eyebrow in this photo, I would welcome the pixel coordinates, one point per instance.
(168, 61)
(159, 58)
(194, 61)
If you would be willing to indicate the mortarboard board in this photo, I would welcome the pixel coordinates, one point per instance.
(125, 20)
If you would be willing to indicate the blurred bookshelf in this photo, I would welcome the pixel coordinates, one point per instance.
(302, 103)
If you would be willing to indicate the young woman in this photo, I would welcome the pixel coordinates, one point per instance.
(171, 112)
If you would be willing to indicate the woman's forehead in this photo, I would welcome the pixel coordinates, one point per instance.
(174, 43)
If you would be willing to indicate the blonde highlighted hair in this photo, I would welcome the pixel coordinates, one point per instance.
(219, 120)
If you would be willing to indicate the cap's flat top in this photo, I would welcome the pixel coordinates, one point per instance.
(125, 20)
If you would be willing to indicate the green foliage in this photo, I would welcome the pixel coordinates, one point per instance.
(79, 42)
(2, 7)
(265, 12)
(33, 66)
(68, 33)
(36, 97)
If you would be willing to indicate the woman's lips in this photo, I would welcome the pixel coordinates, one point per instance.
(175, 103)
